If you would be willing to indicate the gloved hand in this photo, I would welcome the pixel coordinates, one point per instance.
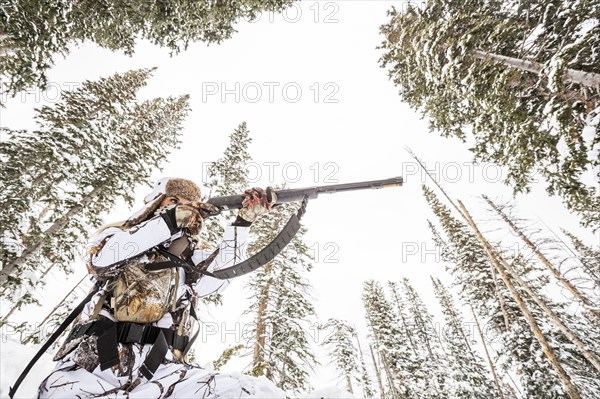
(183, 217)
(256, 202)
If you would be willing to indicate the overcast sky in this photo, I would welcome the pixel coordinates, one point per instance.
(320, 111)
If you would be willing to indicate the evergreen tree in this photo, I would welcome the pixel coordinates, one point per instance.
(585, 376)
(365, 378)
(425, 342)
(589, 257)
(32, 32)
(342, 350)
(282, 307)
(90, 149)
(564, 280)
(403, 368)
(532, 315)
(528, 112)
(468, 375)
(227, 176)
(481, 288)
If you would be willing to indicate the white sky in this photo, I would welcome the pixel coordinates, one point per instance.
(355, 130)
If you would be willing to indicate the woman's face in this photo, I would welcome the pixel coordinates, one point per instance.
(175, 200)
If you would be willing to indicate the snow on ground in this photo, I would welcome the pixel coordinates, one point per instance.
(14, 357)
(328, 392)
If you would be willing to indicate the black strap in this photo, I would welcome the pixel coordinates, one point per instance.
(154, 357)
(175, 261)
(52, 339)
(269, 252)
(108, 349)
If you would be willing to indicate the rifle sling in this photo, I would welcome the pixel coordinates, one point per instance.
(269, 252)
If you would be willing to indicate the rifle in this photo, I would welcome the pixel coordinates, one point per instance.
(300, 194)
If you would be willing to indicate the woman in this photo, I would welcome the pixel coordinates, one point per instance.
(132, 338)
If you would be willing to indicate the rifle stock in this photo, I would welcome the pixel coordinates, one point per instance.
(298, 194)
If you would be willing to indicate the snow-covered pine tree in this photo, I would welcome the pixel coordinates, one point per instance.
(447, 61)
(479, 286)
(57, 315)
(427, 340)
(469, 378)
(562, 279)
(364, 379)
(398, 358)
(90, 149)
(227, 176)
(417, 324)
(589, 257)
(281, 306)
(514, 283)
(32, 32)
(341, 350)
(585, 376)
(376, 366)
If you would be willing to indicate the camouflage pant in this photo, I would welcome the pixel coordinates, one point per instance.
(172, 380)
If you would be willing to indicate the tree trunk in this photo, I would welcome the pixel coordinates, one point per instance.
(500, 298)
(349, 384)
(553, 316)
(588, 79)
(61, 303)
(487, 355)
(377, 373)
(582, 298)
(404, 324)
(18, 304)
(56, 227)
(537, 332)
(389, 375)
(258, 358)
(363, 364)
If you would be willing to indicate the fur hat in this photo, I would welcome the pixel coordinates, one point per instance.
(165, 187)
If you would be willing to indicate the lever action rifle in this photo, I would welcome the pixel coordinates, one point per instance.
(292, 226)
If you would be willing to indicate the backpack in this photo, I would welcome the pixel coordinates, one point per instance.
(143, 292)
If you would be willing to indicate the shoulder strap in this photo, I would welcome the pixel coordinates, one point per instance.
(52, 339)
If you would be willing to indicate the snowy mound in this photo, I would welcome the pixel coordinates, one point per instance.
(13, 359)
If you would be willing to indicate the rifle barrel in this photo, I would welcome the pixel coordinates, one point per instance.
(298, 194)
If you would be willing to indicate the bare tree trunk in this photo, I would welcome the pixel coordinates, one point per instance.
(362, 362)
(588, 79)
(487, 355)
(54, 229)
(537, 332)
(258, 357)
(349, 385)
(565, 282)
(377, 373)
(18, 305)
(61, 303)
(389, 375)
(580, 345)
